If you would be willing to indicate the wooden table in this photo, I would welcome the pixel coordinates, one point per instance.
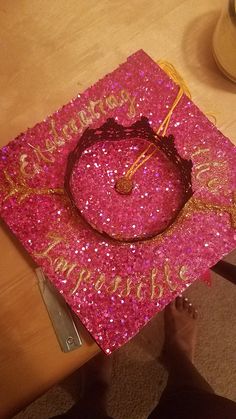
(50, 51)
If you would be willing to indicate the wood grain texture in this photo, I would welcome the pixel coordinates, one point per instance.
(50, 51)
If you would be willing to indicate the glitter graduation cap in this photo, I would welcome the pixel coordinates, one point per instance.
(124, 197)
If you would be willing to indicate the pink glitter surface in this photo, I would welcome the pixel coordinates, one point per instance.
(116, 287)
(104, 207)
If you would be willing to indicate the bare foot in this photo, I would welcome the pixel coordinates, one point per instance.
(180, 330)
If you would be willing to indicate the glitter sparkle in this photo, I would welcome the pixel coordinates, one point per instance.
(115, 288)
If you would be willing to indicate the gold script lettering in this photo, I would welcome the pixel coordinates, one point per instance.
(85, 121)
(127, 290)
(200, 151)
(214, 184)
(63, 266)
(40, 154)
(84, 276)
(130, 100)
(55, 240)
(50, 145)
(205, 167)
(100, 282)
(167, 275)
(155, 286)
(73, 126)
(182, 273)
(23, 164)
(59, 141)
(139, 290)
(65, 132)
(101, 107)
(91, 108)
(111, 102)
(116, 282)
(93, 111)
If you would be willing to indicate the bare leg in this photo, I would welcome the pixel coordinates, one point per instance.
(93, 402)
(187, 394)
(179, 347)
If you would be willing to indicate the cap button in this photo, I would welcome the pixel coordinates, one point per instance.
(124, 186)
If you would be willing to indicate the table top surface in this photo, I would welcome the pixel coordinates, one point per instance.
(50, 51)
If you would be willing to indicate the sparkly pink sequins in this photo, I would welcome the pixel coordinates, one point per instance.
(115, 288)
(154, 201)
(108, 159)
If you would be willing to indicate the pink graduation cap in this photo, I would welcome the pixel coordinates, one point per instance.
(124, 197)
